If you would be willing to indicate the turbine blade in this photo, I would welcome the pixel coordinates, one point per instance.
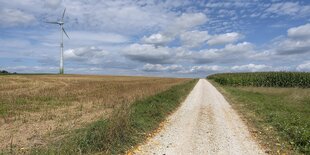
(52, 22)
(63, 15)
(65, 32)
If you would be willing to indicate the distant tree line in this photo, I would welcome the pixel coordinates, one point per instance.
(6, 72)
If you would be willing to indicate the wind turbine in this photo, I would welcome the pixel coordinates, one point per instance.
(62, 31)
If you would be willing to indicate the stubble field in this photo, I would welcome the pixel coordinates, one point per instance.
(38, 109)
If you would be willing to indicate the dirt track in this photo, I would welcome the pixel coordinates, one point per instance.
(204, 124)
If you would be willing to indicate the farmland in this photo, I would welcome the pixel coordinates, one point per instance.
(264, 79)
(278, 111)
(37, 110)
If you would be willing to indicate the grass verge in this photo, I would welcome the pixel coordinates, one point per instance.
(280, 116)
(127, 127)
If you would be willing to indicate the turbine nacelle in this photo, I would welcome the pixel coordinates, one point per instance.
(60, 23)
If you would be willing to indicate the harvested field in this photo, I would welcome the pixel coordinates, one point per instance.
(38, 109)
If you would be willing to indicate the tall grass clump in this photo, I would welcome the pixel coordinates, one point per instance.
(264, 79)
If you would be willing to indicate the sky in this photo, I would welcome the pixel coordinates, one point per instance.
(175, 38)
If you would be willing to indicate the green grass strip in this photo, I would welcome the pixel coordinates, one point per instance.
(288, 116)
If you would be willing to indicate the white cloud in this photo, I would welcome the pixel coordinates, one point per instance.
(262, 55)
(304, 67)
(52, 69)
(173, 32)
(180, 69)
(14, 17)
(18, 48)
(90, 55)
(164, 55)
(251, 68)
(194, 38)
(52, 3)
(224, 38)
(206, 69)
(177, 26)
(157, 39)
(185, 22)
(180, 25)
(290, 46)
(14, 43)
(230, 52)
(302, 31)
(239, 48)
(189, 20)
(30, 69)
(289, 8)
(305, 10)
(228, 4)
(296, 42)
(126, 17)
(158, 67)
(98, 36)
(149, 53)
(85, 38)
(197, 38)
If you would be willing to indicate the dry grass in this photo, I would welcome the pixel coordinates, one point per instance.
(38, 109)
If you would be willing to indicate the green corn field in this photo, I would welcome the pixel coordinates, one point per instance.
(264, 79)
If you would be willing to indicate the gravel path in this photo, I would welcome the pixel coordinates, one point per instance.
(204, 124)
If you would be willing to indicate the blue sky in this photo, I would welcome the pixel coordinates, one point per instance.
(182, 38)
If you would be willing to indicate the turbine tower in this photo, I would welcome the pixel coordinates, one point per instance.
(62, 31)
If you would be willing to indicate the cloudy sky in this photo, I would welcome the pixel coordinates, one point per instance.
(182, 38)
